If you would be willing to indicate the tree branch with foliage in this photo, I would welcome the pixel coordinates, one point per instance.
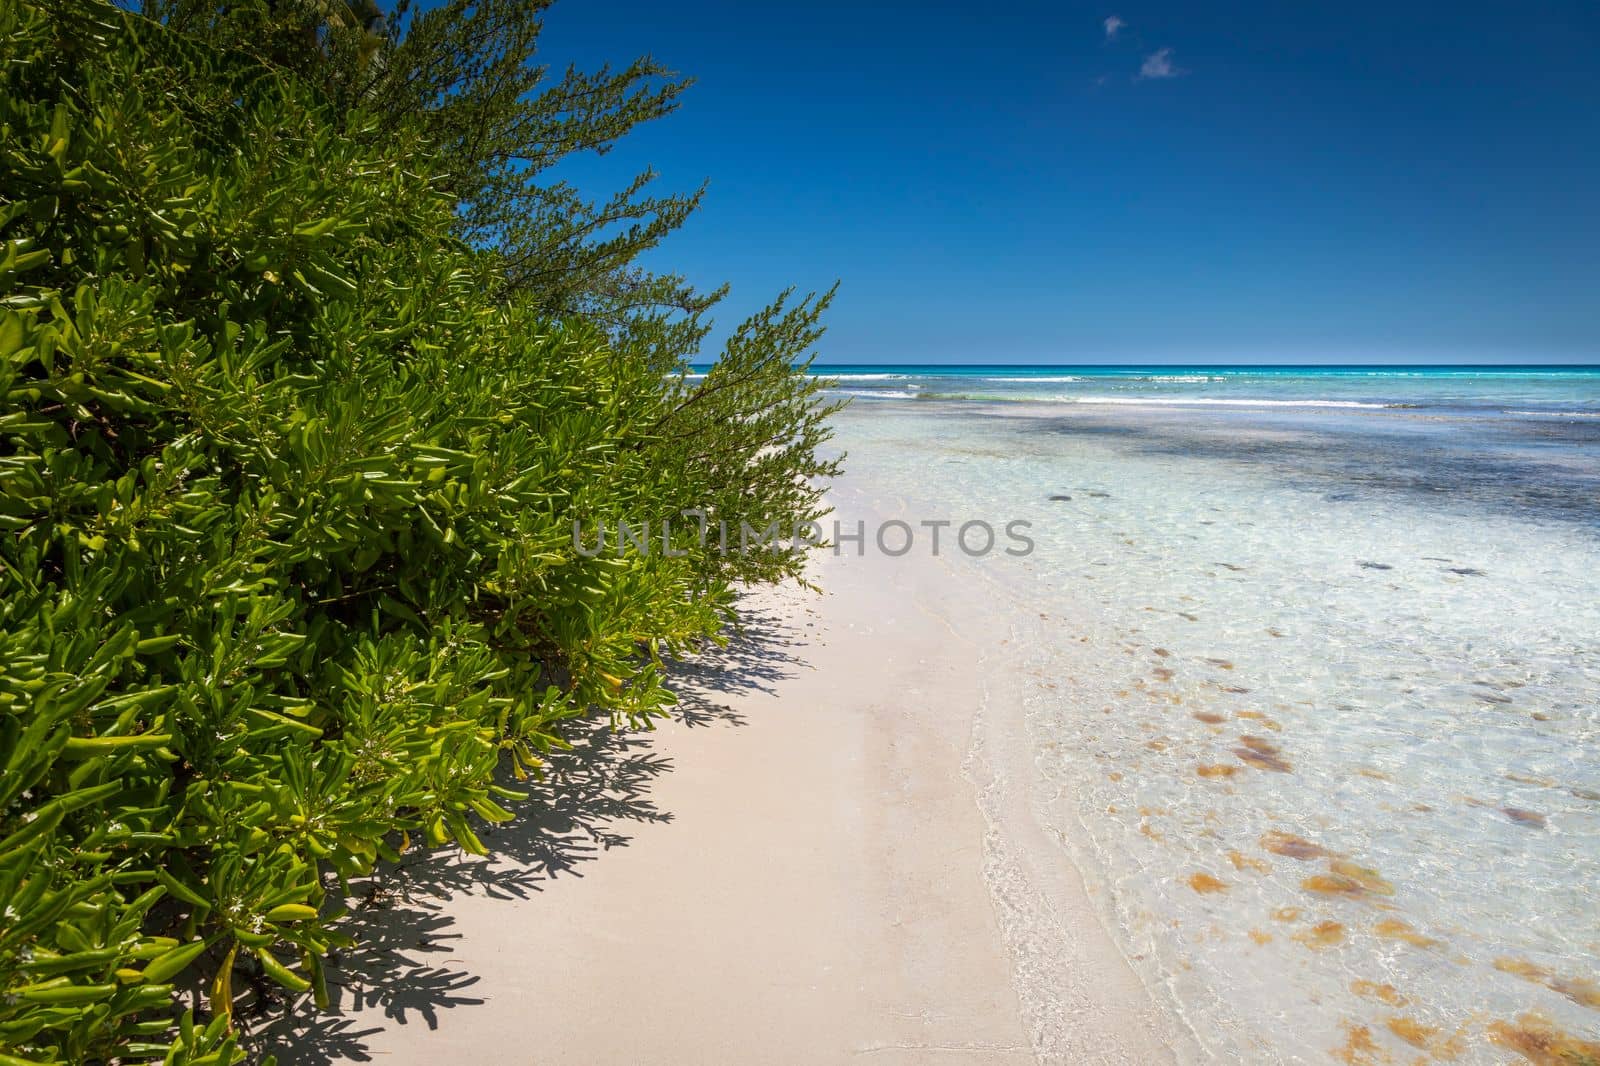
(298, 406)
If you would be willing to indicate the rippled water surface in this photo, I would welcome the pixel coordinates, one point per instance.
(1315, 695)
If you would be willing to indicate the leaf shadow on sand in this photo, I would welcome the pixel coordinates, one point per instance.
(403, 964)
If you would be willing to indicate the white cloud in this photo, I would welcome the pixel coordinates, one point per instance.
(1113, 27)
(1158, 64)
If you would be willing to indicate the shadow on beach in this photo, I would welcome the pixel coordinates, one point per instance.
(400, 917)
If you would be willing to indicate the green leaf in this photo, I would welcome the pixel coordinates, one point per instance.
(174, 962)
(94, 747)
(281, 973)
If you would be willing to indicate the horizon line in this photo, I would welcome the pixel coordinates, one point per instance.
(820, 365)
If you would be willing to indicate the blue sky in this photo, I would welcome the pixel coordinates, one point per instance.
(1235, 182)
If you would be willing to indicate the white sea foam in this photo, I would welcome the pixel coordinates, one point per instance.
(1219, 401)
(878, 394)
(1556, 414)
(1029, 380)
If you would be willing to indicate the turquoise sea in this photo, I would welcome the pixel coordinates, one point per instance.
(1530, 391)
(1313, 679)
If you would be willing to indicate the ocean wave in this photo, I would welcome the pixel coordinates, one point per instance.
(1033, 380)
(862, 377)
(1220, 401)
(875, 388)
(1556, 414)
(879, 394)
(1180, 379)
(1161, 401)
(1030, 379)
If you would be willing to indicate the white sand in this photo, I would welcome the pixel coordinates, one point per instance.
(834, 862)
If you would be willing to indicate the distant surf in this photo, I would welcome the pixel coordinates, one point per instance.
(1514, 392)
(1213, 401)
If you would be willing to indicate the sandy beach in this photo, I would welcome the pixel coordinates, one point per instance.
(819, 860)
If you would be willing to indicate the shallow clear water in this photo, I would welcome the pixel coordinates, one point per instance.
(1315, 693)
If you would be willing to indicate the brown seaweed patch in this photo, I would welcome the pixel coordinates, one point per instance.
(1427, 1038)
(1286, 914)
(1262, 754)
(1395, 929)
(1161, 673)
(1345, 878)
(1322, 935)
(1260, 937)
(1220, 664)
(1242, 861)
(1216, 770)
(1412, 1032)
(1257, 716)
(1448, 1049)
(1383, 993)
(1369, 879)
(1163, 652)
(1203, 883)
(1291, 846)
(1526, 970)
(1330, 886)
(1580, 990)
(1538, 1040)
(1210, 717)
(1530, 819)
(1358, 1048)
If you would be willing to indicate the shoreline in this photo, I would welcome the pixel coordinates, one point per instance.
(825, 856)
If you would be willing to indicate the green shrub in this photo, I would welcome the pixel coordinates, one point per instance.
(287, 570)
